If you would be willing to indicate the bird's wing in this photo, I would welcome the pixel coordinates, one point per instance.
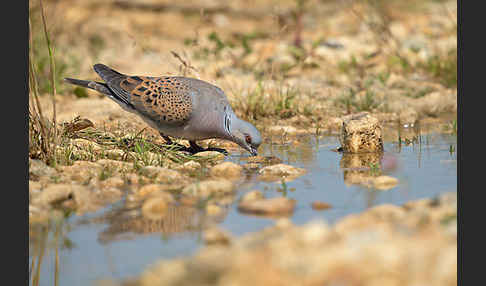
(165, 100)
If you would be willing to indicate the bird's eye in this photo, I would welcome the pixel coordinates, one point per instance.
(248, 139)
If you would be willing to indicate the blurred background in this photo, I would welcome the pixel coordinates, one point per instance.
(276, 59)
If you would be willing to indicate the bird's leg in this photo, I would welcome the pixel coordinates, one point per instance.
(168, 141)
(196, 148)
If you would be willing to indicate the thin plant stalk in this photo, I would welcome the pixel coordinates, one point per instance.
(52, 68)
(56, 265)
(42, 247)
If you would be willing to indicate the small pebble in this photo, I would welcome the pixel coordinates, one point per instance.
(273, 206)
(317, 205)
(252, 196)
(215, 235)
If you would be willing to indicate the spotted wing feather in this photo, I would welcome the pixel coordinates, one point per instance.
(164, 99)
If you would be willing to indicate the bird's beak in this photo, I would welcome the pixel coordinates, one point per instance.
(249, 148)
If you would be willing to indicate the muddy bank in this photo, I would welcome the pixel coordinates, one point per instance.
(415, 243)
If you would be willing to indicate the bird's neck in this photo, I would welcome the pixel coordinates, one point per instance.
(231, 123)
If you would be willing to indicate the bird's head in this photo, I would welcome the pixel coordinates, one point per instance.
(246, 135)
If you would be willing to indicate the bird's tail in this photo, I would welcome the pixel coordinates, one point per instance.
(108, 74)
(98, 86)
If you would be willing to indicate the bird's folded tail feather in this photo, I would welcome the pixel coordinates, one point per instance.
(98, 86)
(108, 74)
(103, 88)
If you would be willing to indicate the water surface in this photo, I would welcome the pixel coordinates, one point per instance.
(115, 243)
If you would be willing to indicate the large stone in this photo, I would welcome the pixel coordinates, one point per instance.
(280, 172)
(164, 175)
(361, 134)
(227, 170)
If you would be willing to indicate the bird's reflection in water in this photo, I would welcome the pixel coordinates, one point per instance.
(129, 223)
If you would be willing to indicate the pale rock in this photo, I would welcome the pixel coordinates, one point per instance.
(112, 182)
(227, 170)
(280, 171)
(318, 205)
(151, 190)
(210, 155)
(252, 196)
(209, 187)
(273, 206)
(82, 170)
(163, 175)
(215, 235)
(38, 169)
(189, 166)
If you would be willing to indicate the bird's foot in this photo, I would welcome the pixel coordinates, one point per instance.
(169, 144)
(175, 146)
(196, 149)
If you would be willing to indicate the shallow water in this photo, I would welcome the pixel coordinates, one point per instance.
(116, 243)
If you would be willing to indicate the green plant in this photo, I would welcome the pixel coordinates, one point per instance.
(374, 169)
(43, 133)
(284, 188)
(285, 107)
(352, 102)
(452, 149)
(442, 67)
(105, 173)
